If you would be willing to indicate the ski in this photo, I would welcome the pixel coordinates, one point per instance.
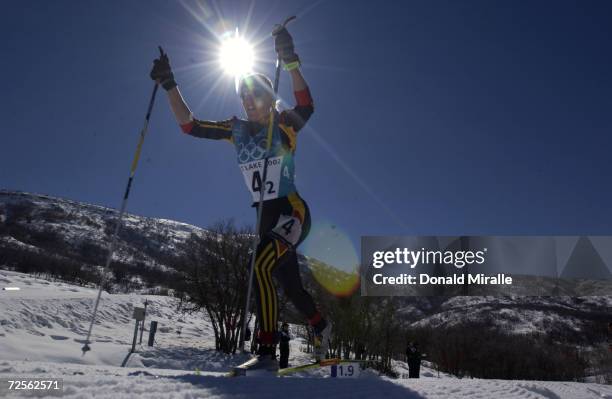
(313, 365)
(253, 365)
(243, 369)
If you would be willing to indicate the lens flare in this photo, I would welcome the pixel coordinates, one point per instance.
(236, 55)
(333, 259)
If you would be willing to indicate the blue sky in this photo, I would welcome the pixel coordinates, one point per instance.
(432, 117)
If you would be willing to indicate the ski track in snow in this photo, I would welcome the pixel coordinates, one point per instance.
(42, 327)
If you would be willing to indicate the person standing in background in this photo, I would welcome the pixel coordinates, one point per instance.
(284, 339)
(413, 357)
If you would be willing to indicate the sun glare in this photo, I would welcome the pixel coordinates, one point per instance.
(236, 56)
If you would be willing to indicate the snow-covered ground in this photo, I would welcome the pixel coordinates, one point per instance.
(42, 326)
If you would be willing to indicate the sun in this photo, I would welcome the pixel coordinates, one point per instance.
(236, 55)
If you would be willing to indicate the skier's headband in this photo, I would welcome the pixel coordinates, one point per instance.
(256, 85)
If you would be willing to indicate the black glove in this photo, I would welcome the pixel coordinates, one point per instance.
(162, 72)
(283, 44)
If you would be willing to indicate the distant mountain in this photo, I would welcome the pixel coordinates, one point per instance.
(62, 237)
(38, 230)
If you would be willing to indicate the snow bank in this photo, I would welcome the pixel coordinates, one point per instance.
(42, 325)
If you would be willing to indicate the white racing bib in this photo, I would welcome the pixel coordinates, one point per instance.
(253, 175)
(289, 228)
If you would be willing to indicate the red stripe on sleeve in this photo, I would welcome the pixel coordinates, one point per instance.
(314, 320)
(303, 97)
(187, 127)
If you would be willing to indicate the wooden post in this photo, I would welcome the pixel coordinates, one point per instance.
(135, 336)
(139, 316)
(152, 331)
(143, 322)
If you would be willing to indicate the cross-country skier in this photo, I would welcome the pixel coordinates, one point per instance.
(285, 220)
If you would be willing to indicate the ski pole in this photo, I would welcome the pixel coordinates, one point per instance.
(126, 195)
(263, 184)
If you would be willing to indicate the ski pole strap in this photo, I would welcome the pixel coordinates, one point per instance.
(292, 65)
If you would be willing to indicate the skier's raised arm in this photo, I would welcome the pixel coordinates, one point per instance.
(296, 117)
(162, 74)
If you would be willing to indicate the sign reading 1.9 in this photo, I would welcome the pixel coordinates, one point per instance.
(345, 370)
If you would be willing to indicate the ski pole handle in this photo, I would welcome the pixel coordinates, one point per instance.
(278, 28)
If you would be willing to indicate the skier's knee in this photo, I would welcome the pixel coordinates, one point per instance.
(263, 243)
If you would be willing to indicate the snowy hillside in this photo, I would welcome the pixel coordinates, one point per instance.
(62, 228)
(520, 315)
(40, 231)
(42, 324)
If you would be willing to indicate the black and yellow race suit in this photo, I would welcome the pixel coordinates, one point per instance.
(285, 216)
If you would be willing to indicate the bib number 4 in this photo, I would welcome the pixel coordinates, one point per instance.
(289, 228)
